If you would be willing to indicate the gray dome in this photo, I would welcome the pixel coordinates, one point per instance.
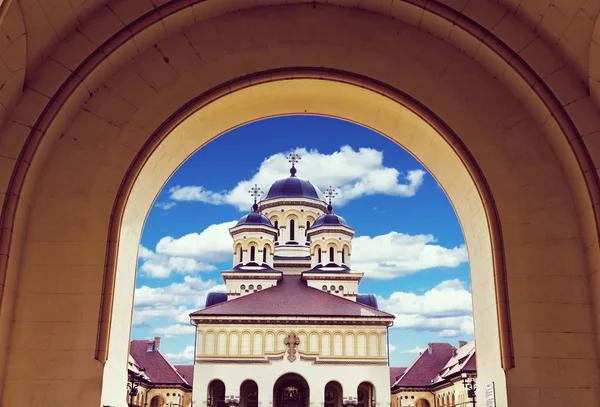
(254, 218)
(294, 187)
(329, 219)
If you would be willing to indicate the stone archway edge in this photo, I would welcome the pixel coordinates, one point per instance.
(446, 13)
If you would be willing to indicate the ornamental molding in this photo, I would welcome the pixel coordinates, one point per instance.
(317, 361)
(250, 230)
(257, 320)
(322, 206)
(319, 231)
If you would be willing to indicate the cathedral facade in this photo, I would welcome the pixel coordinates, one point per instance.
(291, 329)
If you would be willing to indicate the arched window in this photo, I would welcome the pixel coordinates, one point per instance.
(265, 251)
(344, 255)
(319, 255)
(331, 254)
(252, 253)
(307, 225)
(241, 255)
(292, 229)
(277, 227)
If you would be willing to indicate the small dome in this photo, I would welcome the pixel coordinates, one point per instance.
(331, 268)
(293, 187)
(254, 218)
(329, 219)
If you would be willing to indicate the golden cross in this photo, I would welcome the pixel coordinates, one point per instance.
(291, 341)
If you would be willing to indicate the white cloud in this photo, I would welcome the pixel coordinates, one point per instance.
(157, 265)
(449, 333)
(165, 205)
(172, 303)
(396, 255)
(186, 356)
(353, 173)
(445, 309)
(414, 351)
(175, 330)
(213, 244)
(392, 348)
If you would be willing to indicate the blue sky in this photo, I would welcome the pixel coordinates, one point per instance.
(419, 272)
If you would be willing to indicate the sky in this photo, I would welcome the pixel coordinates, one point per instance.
(408, 242)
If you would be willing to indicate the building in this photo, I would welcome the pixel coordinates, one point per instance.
(102, 101)
(291, 328)
(153, 381)
(436, 378)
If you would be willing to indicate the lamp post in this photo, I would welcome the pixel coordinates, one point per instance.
(132, 386)
(471, 387)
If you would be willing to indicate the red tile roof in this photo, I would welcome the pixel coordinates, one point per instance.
(158, 369)
(187, 371)
(292, 297)
(395, 373)
(426, 367)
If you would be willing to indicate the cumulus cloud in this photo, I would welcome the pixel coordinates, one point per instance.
(445, 309)
(397, 254)
(157, 265)
(175, 330)
(186, 356)
(188, 254)
(392, 348)
(165, 205)
(414, 351)
(172, 303)
(354, 173)
(213, 244)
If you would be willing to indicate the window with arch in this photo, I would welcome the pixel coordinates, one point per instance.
(252, 253)
(307, 226)
(265, 253)
(331, 254)
(277, 227)
(292, 229)
(319, 260)
(344, 255)
(241, 255)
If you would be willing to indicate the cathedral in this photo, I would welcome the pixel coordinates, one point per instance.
(291, 329)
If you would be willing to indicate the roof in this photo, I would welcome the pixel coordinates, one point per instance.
(158, 369)
(395, 373)
(275, 301)
(437, 364)
(294, 187)
(426, 367)
(330, 268)
(187, 371)
(254, 218)
(463, 360)
(329, 219)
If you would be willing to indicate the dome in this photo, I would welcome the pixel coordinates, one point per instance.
(254, 218)
(294, 187)
(329, 219)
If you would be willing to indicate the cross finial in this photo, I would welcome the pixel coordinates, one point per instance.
(330, 193)
(293, 158)
(255, 192)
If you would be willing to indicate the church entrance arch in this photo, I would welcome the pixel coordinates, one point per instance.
(249, 394)
(333, 394)
(291, 390)
(216, 394)
(366, 395)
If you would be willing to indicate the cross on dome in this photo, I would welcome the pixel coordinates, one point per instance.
(293, 158)
(255, 192)
(330, 193)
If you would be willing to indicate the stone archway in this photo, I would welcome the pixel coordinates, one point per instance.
(517, 131)
(291, 390)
